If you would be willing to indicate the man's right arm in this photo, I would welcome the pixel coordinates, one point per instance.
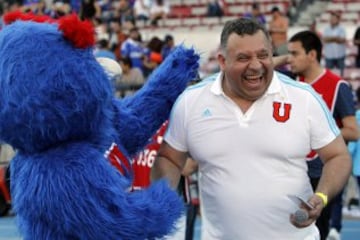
(169, 164)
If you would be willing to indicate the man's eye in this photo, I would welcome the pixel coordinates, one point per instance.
(243, 58)
(263, 56)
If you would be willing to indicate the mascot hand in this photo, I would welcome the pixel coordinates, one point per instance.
(151, 105)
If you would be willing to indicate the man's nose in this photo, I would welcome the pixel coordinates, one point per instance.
(255, 63)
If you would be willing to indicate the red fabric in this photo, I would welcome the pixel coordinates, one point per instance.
(118, 159)
(328, 90)
(156, 57)
(4, 191)
(143, 163)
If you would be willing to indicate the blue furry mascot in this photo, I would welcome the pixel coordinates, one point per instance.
(57, 110)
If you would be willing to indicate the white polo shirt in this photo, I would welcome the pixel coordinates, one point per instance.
(250, 162)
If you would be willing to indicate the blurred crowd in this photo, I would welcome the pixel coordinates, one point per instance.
(118, 25)
(116, 31)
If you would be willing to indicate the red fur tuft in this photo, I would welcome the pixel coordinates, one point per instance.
(80, 33)
(17, 15)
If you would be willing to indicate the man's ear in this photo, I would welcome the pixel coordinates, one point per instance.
(312, 53)
(221, 59)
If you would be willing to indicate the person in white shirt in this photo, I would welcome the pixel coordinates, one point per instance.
(249, 129)
(159, 10)
(142, 10)
(334, 38)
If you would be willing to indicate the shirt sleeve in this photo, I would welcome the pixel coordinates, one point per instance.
(323, 129)
(176, 132)
(344, 105)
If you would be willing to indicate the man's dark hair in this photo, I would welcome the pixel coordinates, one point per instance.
(255, 5)
(310, 41)
(275, 9)
(168, 38)
(103, 43)
(336, 14)
(241, 26)
(126, 61)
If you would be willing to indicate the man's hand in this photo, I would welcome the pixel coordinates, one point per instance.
(313, 213)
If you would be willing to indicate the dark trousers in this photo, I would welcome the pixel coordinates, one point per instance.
(336, 212)
(7, 178)
(191, 214)
(323, 222)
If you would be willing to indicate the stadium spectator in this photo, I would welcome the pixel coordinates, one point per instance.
(142, 10)
(60, 8)
(334, 38)
(124, 11)
(35, 6)
(159, 10)
(216, 8)
(133, 48)
(278, 28)
(210, 66)
(256, 13)
(89, 9)
(305, 50)
(131, 78)
(103, 48)
(152, 58)
(313, 28)
(116, 36)
(292, 11)
(168, 46)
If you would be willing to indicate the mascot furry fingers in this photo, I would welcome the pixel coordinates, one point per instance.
(58, 111)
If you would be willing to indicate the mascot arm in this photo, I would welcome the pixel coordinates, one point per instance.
(139, 116)
(85, 197)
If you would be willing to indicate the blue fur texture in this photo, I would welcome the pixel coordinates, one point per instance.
(57, 110)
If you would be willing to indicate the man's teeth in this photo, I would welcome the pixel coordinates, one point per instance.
(253, 77)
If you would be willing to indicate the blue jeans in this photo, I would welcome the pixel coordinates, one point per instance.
(338, 63)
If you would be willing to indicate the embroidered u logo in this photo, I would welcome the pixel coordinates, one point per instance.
(285, 113)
